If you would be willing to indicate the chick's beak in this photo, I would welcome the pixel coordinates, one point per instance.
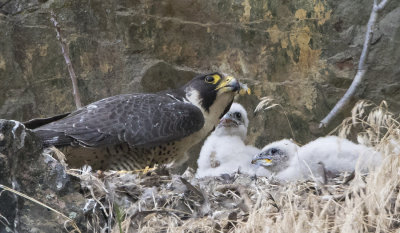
(262, 159)
(227, 121)
(262, 162)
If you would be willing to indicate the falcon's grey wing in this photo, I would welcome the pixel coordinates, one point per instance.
(137, 119)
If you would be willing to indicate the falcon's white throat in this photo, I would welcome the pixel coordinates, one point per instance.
(211, 117)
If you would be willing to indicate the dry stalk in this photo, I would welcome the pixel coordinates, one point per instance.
(76, 228)
(65, 52)
(266, 103)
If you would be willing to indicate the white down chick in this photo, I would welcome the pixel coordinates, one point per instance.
(332, 153)
(224, 151)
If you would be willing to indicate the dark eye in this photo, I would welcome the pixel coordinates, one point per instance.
(209, 79)
(273, 151)
(238, 115)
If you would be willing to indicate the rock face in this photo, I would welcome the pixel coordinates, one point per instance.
(24, 168)
(303, 53)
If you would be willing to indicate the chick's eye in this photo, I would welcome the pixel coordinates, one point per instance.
(238, 115)
(273, 151)
(209, 79)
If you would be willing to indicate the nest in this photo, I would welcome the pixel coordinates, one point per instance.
(156, 201)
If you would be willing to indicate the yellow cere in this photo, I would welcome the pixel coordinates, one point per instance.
(223, 83)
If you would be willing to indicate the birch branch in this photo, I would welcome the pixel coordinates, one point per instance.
(65, 52)
(361, 65)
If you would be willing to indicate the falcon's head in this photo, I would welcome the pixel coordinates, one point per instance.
(277, 155)
(211, 91)
(234, 122)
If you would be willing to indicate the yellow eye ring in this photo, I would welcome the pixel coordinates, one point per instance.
(212, 79)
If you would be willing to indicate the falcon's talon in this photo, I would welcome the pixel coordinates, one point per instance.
(147, 169)
(124, 172)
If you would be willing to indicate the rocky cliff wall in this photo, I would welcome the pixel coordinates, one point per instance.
(303, 53)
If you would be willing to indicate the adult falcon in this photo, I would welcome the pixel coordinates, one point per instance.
(132, 131)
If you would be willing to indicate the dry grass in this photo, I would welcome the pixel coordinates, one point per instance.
(267, 103)
(159, 202)
(368, 204)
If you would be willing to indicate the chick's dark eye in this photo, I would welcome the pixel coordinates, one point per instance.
(238, 115)
(273, 151)
(209, 79)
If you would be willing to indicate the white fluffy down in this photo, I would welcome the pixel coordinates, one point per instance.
(240, 131)
(226, 145)
(231, 153)
(336, 154)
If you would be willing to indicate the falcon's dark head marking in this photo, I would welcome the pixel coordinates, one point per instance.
(277, 155)
(204, 90)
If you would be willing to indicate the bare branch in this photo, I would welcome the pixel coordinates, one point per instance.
(65, 52)
(361, 65)
(5, 3)
(382, 4)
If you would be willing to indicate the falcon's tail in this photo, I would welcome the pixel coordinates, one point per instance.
(37, 122)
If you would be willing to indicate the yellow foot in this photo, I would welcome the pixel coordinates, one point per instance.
(147, 169)
(143, 171)
(124, 172)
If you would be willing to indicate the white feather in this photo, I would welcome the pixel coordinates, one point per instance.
(21, 138)
(226, 145)
(336, 154)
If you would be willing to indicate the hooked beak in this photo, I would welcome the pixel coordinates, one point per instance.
(262, 160)
(229, 84)
(226, 121)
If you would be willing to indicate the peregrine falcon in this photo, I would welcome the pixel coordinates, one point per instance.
(224, 151)
(291, 162)
(132, 131)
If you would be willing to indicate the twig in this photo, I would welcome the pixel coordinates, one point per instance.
(232, 221)
(42, 204)
(361, 65)
(323, 171)
(194, 189)
(7, 223)
(266, 103)
(65, 52)
(5, 3)
(110, 215)
(144, 213)
(349, 177)
(245, 202)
